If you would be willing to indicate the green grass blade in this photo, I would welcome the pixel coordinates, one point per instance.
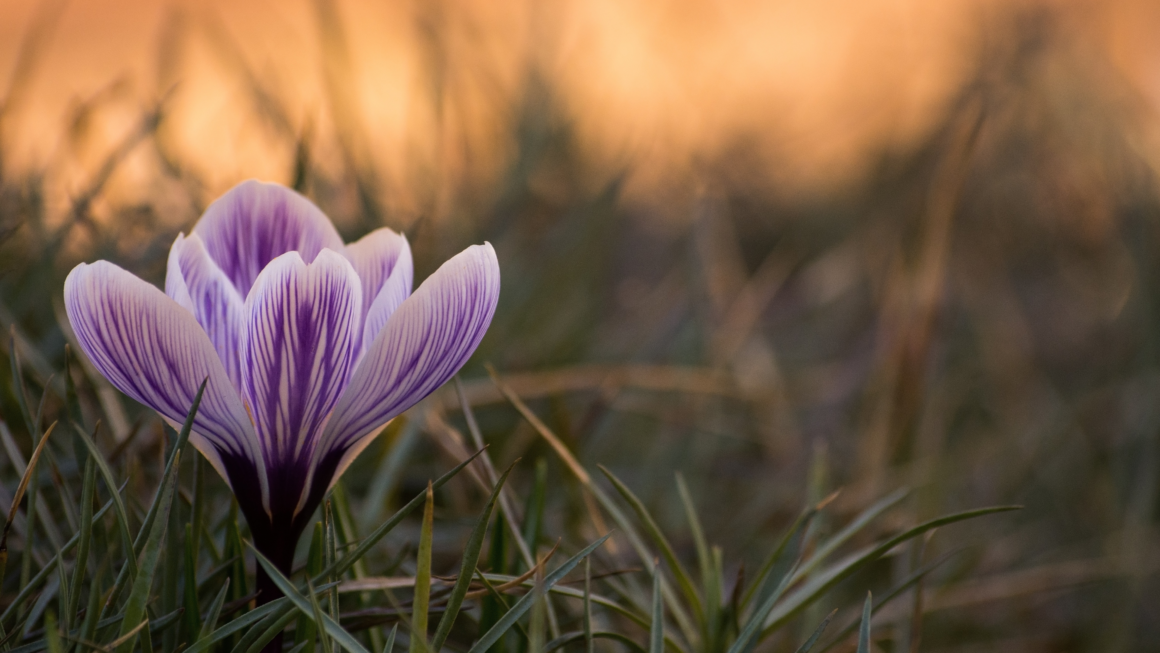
(88, 496)
(129, 571)
(761, 583)
(192, 615)
(809, 643)
(656, 632)
(534, 509)
(390, 645)
(316, 611)
(215, 609)
(143, 583)
(34, 582)
(661, 542)
(237, 625)
(589, 643)
(307, 631)
(276, 626)
(703, 559)
(525, 602)
(820, 584)
(568, 638)
(178, 446)
(418, 640)
(861, 521)
(329, 625)
(343, 564)
(864, 630)
(467, 565)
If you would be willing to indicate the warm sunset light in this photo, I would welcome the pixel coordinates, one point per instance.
(579, 326)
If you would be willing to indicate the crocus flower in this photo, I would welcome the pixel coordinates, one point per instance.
(309, 346)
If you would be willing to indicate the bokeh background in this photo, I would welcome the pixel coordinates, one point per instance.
(782, 247)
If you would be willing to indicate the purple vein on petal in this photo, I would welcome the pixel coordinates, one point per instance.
(256, 222)
(382, 260)
(195, 282)
(424, 343)
(301, 325)
(153, 350)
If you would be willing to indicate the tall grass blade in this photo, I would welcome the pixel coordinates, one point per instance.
(143, 583)
(864, 630)
(192, 616)
(820, 584)
(129, 570)
(467, 565)
(215, 609)
(307, 631)
(656, 633)
(328, 625)
(661, 541)
(88, 496)
(29, 472)
(418, 641)
(808, 645)
(521, 606)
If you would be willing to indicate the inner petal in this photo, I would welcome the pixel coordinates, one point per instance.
(299, 346)
(256, 222)
(194, 281)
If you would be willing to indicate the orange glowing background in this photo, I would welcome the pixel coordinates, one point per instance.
(424, 93)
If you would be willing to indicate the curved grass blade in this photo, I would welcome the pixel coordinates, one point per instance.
(662, 542)
(809, 643)
(29, 471)
(316, 611)
(88, 493)
(215, 609)
(276, 625)
(525, 602)
(343, 564)
(422, 600)
(390, 645)
(864, 631)
(208, 641)
(861, 521)
(306, 630)
(467, 565)
(143, 583)
(50, 566)
(822, 583)
(122, 515)
(329, 625)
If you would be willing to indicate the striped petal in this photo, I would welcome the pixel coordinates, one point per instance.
(301, 326)
(195, 282)
(256, 222)
(425, 342)
(382, 260)
(153, 350)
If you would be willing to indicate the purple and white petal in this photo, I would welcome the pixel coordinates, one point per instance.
(195, 282)
(425, 342)
(256, 222)
(153, 350)
(382, 260)
(301, 330)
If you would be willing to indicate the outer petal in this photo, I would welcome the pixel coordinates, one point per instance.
(425, 342)
(195, 282)
(297, 354)
(382, 260)
(256, 222)
(155, 352)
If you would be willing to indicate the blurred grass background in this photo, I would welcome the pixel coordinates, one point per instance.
(781, 247)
